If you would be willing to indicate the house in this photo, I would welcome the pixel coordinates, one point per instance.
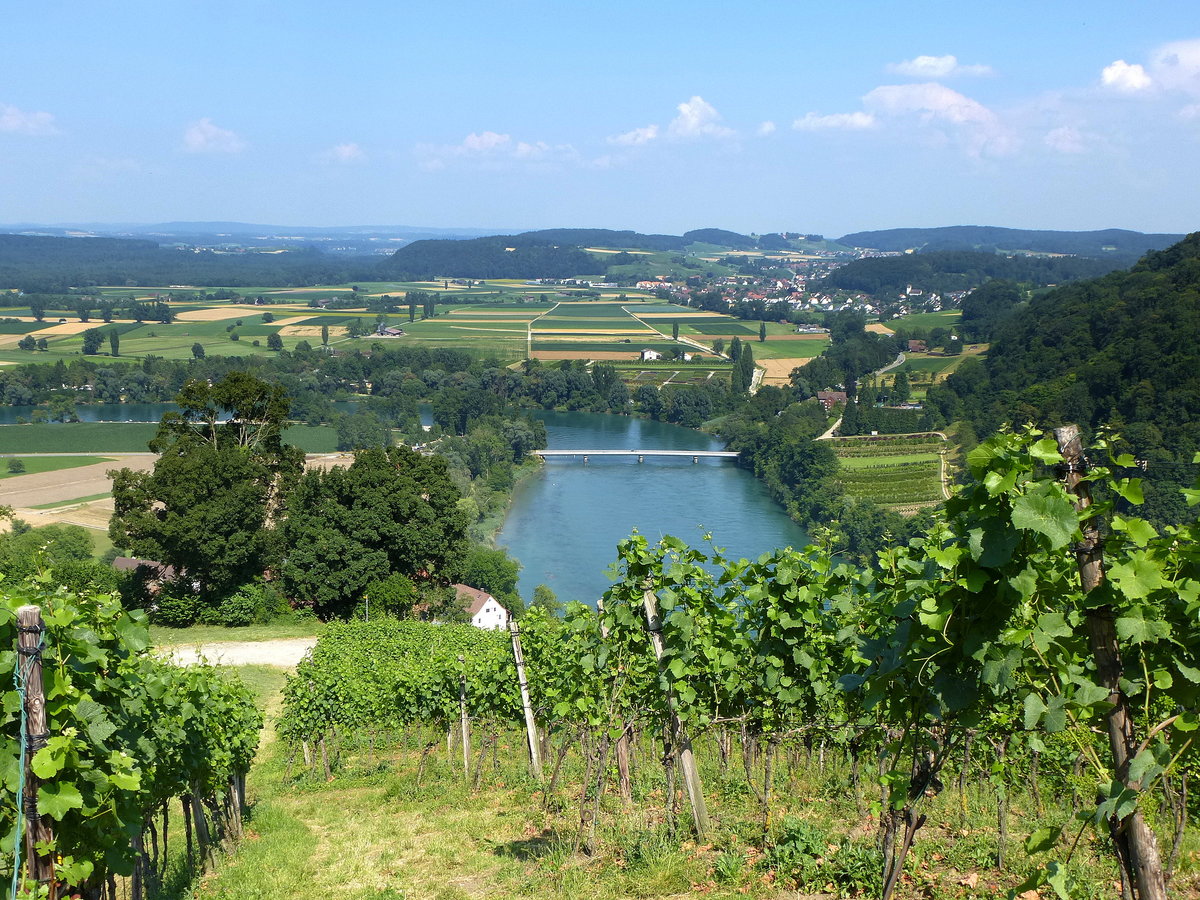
(916, 347)
(830, 399)
(151, 573)
(648, 355)
(388, 331)
(484, 610)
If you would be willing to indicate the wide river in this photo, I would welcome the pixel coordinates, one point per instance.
(565, 521)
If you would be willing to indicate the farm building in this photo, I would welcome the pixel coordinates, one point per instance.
(829, 399)
(484, 609)
(648, 355)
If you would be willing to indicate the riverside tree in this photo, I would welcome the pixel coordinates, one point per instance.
(390, 511)
(207, 506)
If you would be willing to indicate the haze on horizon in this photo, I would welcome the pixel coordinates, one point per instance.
(658, 117)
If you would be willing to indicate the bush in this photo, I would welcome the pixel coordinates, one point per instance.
(250, 604)
(812, 858)
(176, 606)
(16, 466)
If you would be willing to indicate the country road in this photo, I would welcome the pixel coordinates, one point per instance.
(284, 653)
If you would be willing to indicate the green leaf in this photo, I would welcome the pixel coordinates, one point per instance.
(1052, 515)
(1140, 531)
(1034, 709)
(1137, 577)
(1042, 840)
(56, 800)
(1130, 489)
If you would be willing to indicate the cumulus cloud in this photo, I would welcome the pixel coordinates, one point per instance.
(202, 136)
(930, 101)
(344, 153)
(490, 148)
(851, 121)
(17, 121)
(1126, 77)
(937, 67)
(698, 118)
(1176, 66)
(636, 137)
(766, 128)
(1065, 139)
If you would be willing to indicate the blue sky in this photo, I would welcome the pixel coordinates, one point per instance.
(657, 116)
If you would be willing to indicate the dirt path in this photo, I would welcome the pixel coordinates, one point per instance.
(284, 653)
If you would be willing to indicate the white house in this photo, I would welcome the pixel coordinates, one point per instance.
(484, 610)
(649, 354)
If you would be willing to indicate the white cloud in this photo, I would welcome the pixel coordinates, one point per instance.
(937, 67)
(977, 127)
(766, 128)
(1126, 77)
(851, 121)
(202, 136)
(698, 118)
(636, 137)
(344, 153)
(1192, 111)
(489, 148)
(1065, 139)
(17, 121)
(1176, 66)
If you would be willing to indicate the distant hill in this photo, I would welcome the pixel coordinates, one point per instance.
(490, 257)
(1122, 350)
(959, 270)
(600, 237)
(1115, 243)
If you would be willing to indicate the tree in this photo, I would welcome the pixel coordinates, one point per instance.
(391, 510)
(545, 599)
(762, 332)
(719, 346)
(735, 348)
(325, 335)
(268, 317)
(493, 571)
(274, 341)
(16, 466)
(43, 344)
(197, 350)
(27, 343)
(208, 506)
(391, 596)
(92, 339)
(901, 390)
(114, 342)
(674, 331)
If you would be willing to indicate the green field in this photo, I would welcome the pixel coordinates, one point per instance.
(696, 325)
(127, 437)
(35, 464)
(944, 319)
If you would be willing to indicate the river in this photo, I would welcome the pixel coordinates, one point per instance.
(564, 522)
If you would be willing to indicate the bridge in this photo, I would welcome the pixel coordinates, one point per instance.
(641, 455)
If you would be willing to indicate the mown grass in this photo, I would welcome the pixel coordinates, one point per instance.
(161, 636)
(378, 830)
(36, 464)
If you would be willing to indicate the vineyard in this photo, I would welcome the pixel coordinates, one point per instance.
(121, 741)
(897, 472)
(1002, 656)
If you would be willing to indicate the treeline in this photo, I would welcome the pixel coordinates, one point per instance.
(1122, 246)
(1119, 351)
(942, 271)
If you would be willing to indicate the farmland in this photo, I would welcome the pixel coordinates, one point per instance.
(898, 472)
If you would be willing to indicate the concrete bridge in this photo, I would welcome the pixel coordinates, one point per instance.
(640, 454)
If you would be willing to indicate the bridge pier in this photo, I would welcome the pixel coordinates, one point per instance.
(585, 460)
(641, 458)
(695, 459)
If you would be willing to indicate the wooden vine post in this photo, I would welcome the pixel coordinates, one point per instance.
(687, 759)
(37, 828)
(1143, 858)
(464, 721)
(535, 759)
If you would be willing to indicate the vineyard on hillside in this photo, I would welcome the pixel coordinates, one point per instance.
(999, 650)
(125, 735)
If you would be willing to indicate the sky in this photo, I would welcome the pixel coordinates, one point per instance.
(656, 115)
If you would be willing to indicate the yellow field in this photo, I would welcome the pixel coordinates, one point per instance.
(879, 328)
(778, 371)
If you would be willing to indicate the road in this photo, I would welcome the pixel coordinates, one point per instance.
(284, 653)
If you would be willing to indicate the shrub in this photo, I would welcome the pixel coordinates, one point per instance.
(176, 606)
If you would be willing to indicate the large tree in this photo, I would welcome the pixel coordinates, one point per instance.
(390, 511)
(216, 487)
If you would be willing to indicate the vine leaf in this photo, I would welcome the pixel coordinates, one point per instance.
(1047, 514)
(56, 800)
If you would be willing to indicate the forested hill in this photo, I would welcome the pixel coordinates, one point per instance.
(959, 270)
(53, 264)
(490, 257)
(1122, 350)
(1122, 246)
